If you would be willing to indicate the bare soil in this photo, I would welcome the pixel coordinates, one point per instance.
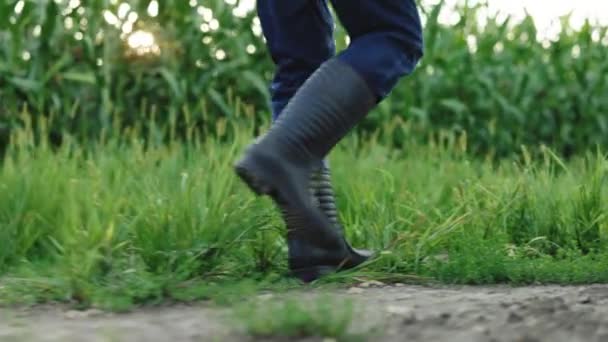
(399, 313)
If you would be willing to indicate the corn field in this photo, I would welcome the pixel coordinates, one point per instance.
(73, 65)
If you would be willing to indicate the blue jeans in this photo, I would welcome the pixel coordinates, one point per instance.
(386, 41)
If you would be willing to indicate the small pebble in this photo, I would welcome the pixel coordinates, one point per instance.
(528, 338)
(585, 300)
(355, 290)
(371, 283)
(514, 317)
(75, 314)
(409, 319)
(265, 296)
(398, 310)
(409, 316)
(481, 329)
(462, 312)
(72, 314)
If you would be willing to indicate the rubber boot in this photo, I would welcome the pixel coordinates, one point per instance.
(325, 108)
(323, 195)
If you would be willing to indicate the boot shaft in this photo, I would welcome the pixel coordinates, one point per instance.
(323, 195)
(326, 107)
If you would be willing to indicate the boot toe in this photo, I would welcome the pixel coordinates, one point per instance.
(364, 253)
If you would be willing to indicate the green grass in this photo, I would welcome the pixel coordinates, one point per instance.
(296, 318)
(117, 223)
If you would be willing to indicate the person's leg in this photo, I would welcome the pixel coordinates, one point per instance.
(280, 165)
(390, 26)
(386, 40)
(323, 110)
(299, 37)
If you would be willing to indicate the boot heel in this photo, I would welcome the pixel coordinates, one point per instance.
(266, 175)
(310, 274)
(253, 173)
(252, 181)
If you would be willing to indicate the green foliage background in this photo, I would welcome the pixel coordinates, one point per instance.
(508, 91)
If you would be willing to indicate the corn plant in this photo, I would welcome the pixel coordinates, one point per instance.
(73, 62)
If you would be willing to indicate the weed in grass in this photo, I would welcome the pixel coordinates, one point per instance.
(589, 216)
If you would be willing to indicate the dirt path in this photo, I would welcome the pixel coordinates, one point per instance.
(403, 313)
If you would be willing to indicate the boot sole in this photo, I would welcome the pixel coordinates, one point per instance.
(264, 176)
(310, 274)
(252, 173)
(254, 178)
(254, 183)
